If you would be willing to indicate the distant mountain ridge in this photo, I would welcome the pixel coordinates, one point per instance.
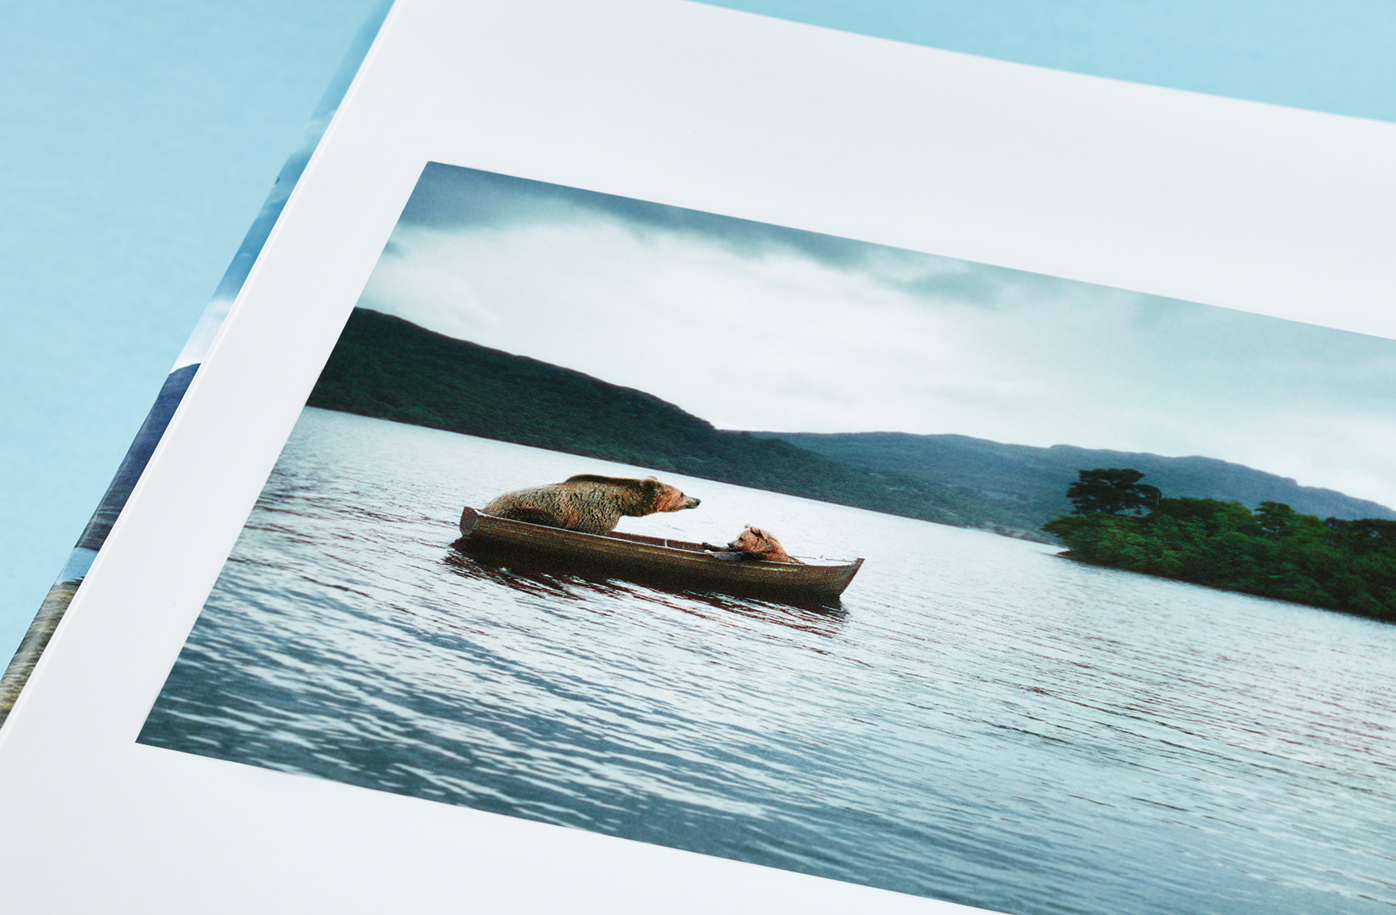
(1029, 483)
(389, 368)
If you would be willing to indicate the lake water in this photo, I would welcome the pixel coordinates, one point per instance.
(981, 722)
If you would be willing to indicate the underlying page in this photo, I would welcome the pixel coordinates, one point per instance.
(60, 595)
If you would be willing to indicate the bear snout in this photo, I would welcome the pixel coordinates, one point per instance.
(674, 500)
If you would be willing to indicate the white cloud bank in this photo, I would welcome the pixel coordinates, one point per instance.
(779, 339)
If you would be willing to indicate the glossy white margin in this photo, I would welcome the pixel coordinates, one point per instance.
(1230, 203)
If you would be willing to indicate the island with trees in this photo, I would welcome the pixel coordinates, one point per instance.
(1273, 551)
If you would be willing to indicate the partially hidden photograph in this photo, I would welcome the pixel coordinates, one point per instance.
(876, 565)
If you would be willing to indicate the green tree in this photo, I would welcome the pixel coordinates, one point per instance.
(1275, 517)
(1273, 551)
(1112, 491)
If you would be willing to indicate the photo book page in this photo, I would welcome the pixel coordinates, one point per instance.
(1076, 640)
(652, 458)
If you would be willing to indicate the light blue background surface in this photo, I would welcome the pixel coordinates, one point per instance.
(138, 140)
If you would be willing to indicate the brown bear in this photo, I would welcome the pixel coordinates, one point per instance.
(589, 503)
(754, 543)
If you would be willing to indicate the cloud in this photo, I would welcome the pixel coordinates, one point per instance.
(454, 199)
(757, 327)
(417, 279)
(201, 338)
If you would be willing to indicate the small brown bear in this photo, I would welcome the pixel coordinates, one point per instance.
(754, 543)
(589, 503)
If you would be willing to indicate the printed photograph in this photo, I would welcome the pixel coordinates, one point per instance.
(935, 576)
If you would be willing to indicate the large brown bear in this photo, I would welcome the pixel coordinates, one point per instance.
(589, 503)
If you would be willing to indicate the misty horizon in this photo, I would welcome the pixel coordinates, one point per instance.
(766, 328)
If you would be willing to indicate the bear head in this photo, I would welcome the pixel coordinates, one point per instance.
(661, 497)
(760, 543)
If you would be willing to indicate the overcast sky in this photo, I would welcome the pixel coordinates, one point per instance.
(751, 326)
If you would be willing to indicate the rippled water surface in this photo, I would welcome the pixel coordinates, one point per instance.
(981, 722)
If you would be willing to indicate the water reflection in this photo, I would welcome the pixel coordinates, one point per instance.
(823, 619)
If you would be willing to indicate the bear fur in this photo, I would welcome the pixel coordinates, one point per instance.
(589, 503)
(754, 543)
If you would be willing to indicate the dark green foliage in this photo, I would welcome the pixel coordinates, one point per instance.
(1273, 551)
(1112, 491)
(389, 368)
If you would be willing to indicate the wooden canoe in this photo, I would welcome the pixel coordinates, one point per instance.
(652, 560)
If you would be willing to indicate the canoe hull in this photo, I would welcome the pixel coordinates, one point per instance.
(651, 560)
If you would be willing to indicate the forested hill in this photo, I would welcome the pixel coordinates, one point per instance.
(1030, 483)
(392, 369)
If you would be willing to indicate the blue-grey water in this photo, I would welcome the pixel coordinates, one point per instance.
(981, 722)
